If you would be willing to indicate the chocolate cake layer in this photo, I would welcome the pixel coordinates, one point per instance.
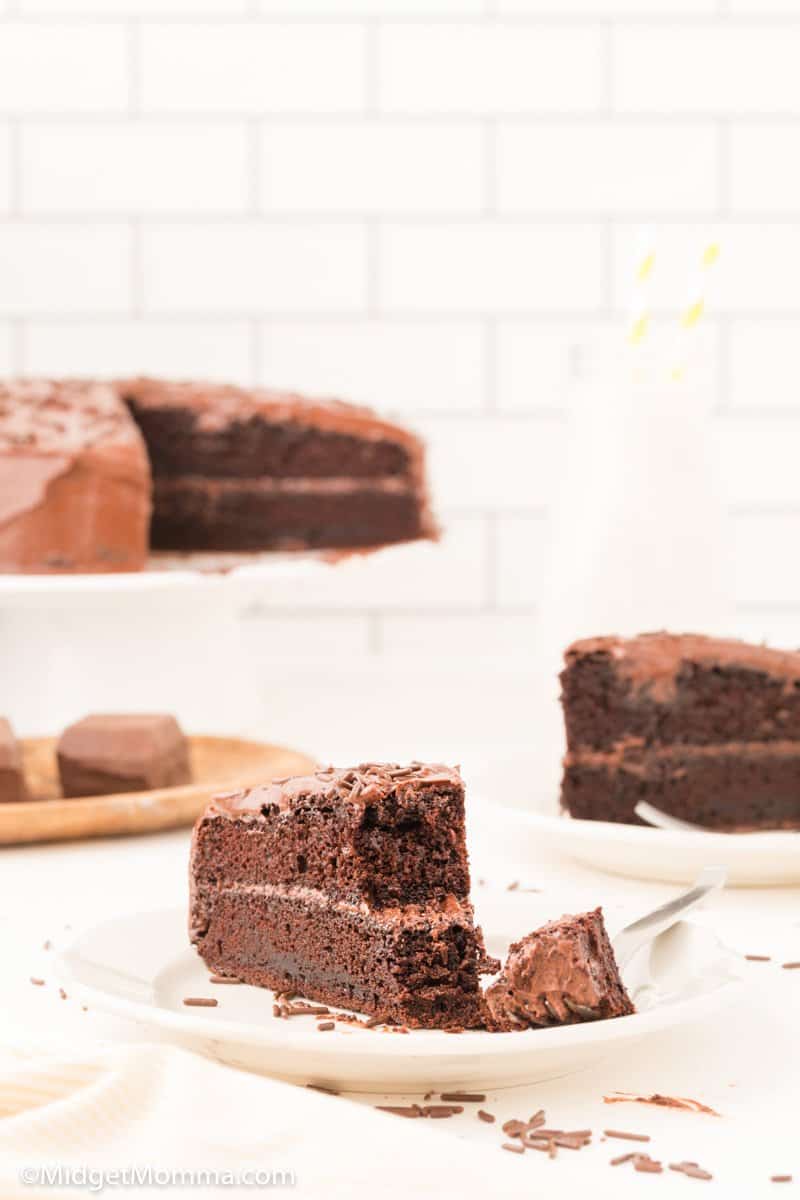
(725, 787)
(221, 431)
(12, 779)
(74, 480)
(664, 688)
(560, 974)
(240, 469)
(108, 753)
(380, 833)
(416, 965)
(266, 514)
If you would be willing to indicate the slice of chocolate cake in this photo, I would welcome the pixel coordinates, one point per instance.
(74, 480)
(238, 469)
(107, 753)
(560, 974)
(350, 887)
(707, 730)
(12, 779)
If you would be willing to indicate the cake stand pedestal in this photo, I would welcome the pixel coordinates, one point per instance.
(162, 640)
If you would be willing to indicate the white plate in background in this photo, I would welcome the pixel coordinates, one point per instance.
(142, 966)
(641, 852)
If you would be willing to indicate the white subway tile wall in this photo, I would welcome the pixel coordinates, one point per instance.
(429, 206)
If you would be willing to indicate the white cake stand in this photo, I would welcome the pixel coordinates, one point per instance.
(169, 638)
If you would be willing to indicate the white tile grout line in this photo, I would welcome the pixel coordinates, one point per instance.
(548, 20)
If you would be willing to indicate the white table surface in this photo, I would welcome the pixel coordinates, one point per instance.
(745, 1064)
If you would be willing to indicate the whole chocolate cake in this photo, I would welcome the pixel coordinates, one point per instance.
(232, 470)
(350, 887)
(237, 469)
(559, 974)
(704, 729)
(74, 480)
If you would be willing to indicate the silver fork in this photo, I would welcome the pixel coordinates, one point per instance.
(631, 939)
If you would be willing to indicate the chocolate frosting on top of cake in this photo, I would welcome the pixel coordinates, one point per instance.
(74, 478)
(215, 405)
(652, 661)
(46, 416)
(364, 784)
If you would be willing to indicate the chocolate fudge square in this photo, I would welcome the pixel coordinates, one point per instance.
(106, 753)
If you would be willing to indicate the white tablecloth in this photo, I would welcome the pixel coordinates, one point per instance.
(160, 1105)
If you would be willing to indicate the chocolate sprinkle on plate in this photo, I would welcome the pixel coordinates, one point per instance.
(514, 1147)
(628, 1137)
(200, 1002)
(780, 1178)
(791, 966)
(37, 982)
(464, 1097)
(223, 979)
(691, 1169)
(488, 1117)
(324, 1026)
(758, 958)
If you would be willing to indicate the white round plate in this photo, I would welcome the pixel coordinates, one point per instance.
(640, 852)
(142, 967)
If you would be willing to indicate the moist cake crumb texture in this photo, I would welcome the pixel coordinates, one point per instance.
(349, 887)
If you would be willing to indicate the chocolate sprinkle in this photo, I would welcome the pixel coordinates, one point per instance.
(401, 1110)
(488, 1117)
(223, 979)
(629, 1137)
(660, 1101)
(780, 1178)
(200, 1002)
(514, 1147)
(37, 982)
(791, 966)
(464, 1097)
(758, 958)
(324, 1026)
(691, 1169)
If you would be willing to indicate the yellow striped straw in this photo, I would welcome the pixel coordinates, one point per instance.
(639, 319)
(693, 310)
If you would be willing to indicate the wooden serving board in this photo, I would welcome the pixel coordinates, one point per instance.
(218, 764)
